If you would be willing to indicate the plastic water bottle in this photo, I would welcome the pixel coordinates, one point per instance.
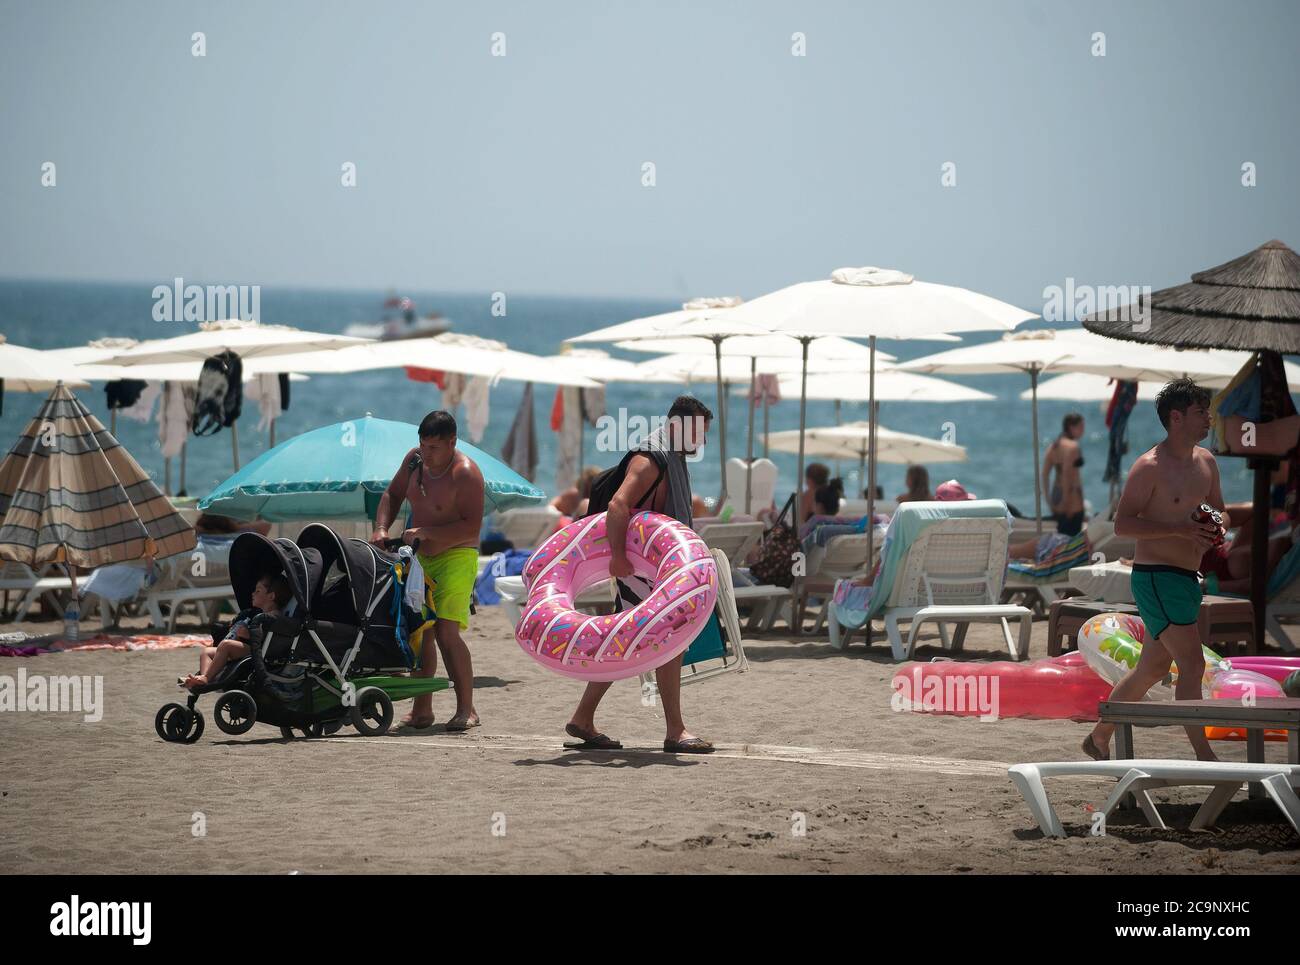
(72, 621)
(726, 512)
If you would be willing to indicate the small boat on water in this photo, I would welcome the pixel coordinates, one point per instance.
(400, 321)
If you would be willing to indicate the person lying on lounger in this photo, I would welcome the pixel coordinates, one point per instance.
(269, 597)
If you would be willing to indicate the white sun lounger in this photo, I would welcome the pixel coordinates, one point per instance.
(1139, 777)
(19, 577)
(942, 563)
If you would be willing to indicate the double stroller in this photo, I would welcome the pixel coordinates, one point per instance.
(330, 658)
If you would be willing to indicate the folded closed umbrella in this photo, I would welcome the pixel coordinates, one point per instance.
(71, 493)
(340, 471)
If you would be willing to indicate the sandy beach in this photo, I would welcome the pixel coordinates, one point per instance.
(806, 739)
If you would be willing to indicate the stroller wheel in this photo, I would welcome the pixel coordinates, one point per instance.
(373, 712)
(235, 712)
(161, 721)
(183, 726)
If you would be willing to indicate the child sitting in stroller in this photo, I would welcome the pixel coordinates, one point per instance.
(269, 597)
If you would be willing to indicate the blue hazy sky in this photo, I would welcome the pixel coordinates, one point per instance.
(523, 173)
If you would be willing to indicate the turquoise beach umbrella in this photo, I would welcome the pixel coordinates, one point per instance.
(340, 471)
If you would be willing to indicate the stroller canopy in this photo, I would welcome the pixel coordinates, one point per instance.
(253, 555)
(363, 567)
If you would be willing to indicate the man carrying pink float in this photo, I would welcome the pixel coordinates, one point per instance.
(638, 526)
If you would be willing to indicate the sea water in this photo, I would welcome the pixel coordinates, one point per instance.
(996, 434)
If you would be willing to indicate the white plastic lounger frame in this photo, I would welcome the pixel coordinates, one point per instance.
(1139, 777)
(962, 615)
(20, 578)
(727, 613)
(960, 564)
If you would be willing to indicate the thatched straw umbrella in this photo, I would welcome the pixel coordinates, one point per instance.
(1250, 303)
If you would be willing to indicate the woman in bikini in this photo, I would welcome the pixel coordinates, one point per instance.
(1065, 495)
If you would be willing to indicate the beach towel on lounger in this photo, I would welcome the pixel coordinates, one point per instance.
(860, 603)
(1065, 555)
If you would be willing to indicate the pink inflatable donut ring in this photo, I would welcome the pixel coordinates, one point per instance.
(667, 553)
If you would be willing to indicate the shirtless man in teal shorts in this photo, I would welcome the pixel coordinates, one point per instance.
(444, 489)
(1164, 487)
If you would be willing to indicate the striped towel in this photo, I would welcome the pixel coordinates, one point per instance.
(1073, 552)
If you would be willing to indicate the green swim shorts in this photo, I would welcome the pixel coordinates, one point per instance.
(452, 574)
(1165, 596)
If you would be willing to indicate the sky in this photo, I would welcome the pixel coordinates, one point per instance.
(788, 139)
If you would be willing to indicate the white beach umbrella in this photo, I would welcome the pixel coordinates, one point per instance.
(1083, 387)
(743, 358)
(603, 367)
(1033, 353)
(853, 441)
(449, 352)
(1076, 350)
(874, 303)
(892, 385)
(32, 370)
(246, 339)
(89, 364)
(697, 318)
(1142, 362)
(707, 320)
(832, 352)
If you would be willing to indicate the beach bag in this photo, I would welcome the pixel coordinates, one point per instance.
(775, 564)
(220, 394)
(604, 486)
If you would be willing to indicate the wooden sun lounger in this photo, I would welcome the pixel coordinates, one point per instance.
(1268, 713)
(1139, 777)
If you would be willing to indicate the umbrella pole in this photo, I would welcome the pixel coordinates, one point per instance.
(181, 491)
(234, 444)
(167, 476)
(74, 605)
(722, 423)
(767, 411)
(271, 444)
(837, 422)
(803, 421)
(871, 445)
(1038, 482)
(112, 422)
(749, 454)
(1263, 467)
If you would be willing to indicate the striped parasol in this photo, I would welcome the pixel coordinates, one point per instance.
(70, 493)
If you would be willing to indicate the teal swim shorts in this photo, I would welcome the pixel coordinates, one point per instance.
(1166, 596)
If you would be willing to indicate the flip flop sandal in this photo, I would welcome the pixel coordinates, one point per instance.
(459, 727)
(1092, 750)
(590, 741)
(411, 725)
(693, 745)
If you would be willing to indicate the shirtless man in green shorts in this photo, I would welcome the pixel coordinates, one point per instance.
(444, 489)
(1164, 487)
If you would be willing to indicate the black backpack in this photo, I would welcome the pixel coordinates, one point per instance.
(604, 486)
(220, 395)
